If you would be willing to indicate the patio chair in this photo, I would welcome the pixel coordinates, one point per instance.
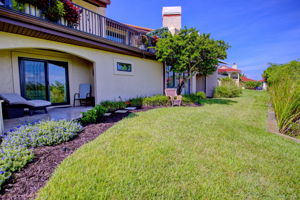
(84, 94)
(18, 103)
(175, 99)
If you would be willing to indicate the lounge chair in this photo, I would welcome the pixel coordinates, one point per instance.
(84, 94)
(175, 99)
(16, 101)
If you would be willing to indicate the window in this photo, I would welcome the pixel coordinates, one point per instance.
(172, 80)
(44, 80)
(124, 67)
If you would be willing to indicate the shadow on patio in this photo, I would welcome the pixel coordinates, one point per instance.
(66, 113)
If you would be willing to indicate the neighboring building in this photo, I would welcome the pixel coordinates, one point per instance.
(231, 72)
(47, 60)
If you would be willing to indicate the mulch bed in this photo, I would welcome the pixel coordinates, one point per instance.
(25, 184)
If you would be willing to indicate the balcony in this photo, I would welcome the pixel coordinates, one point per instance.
(92, 24)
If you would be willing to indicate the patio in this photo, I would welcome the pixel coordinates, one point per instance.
(66, 113)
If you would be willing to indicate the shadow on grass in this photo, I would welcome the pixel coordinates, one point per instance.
(217, 101)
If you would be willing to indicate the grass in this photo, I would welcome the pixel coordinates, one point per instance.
(217, 151)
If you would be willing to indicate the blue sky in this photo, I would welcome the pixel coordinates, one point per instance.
(259, 31)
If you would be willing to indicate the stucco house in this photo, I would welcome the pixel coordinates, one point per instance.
(44, 59)
(231, 72)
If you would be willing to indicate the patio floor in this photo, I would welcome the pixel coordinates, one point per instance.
(66, 113)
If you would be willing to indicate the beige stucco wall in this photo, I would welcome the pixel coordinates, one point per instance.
(211, 84)
(99, 10)
(147, 78)
(80, 70)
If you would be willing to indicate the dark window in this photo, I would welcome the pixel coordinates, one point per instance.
(44, 80)
(124, 67)
(172, 80)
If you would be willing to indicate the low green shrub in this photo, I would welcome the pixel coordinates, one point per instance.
(252, 84)
(16, 146)
(44, 133)
(157, 100)
(13, 159)
(113, 105)
(94, 115)
(227, 89)
(136, 102)
(201, 95)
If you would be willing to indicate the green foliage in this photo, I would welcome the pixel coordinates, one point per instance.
(252, 84)
(15, 149)
(192, 52)
(94, 115)
(136, 102)
(227, 89)
(158, 100)
(113, 105)
(271, 69)
(201, 95)
(284, 88)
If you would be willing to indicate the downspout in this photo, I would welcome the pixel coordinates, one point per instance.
(164, 77)
(1, 118)
(205, 85)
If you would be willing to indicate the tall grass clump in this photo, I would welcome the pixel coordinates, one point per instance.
(284, 88)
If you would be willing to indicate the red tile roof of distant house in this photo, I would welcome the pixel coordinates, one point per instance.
(224, 68)
(140, 28)
(262, 80)
(245, 79)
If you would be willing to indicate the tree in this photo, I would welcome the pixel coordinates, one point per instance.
(190, 52)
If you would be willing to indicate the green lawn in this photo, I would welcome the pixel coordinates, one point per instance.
(217, 151)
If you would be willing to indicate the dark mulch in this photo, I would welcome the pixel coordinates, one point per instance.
(26, 183)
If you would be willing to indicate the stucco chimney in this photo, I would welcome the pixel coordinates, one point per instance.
(172, 18)
(234, 66)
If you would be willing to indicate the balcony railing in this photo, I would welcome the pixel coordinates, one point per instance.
(91, 23)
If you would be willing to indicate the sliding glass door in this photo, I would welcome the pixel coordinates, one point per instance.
(44, 80)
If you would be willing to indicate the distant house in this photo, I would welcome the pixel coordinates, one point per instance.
(231, 72)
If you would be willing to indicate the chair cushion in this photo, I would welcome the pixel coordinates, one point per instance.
(13, 99)
(38, 103)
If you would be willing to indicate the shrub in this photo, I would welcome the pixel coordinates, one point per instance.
(13, 159)
(94, 115)
(136, 102)
(113, 105)
(284, 88)
(15, 149)
(201, 95)
(252, 84)
(227, 89)
(157, 100)
(44, 133)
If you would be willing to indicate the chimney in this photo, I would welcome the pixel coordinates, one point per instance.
(234, 66)
(172, 18)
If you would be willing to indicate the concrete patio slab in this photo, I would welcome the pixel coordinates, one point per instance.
(62, 113)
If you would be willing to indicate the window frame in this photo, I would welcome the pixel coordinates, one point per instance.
(46, 65)
(119, 72)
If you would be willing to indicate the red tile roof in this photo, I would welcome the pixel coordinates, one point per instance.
(245, 79)
(224, 68)
(140, 28)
